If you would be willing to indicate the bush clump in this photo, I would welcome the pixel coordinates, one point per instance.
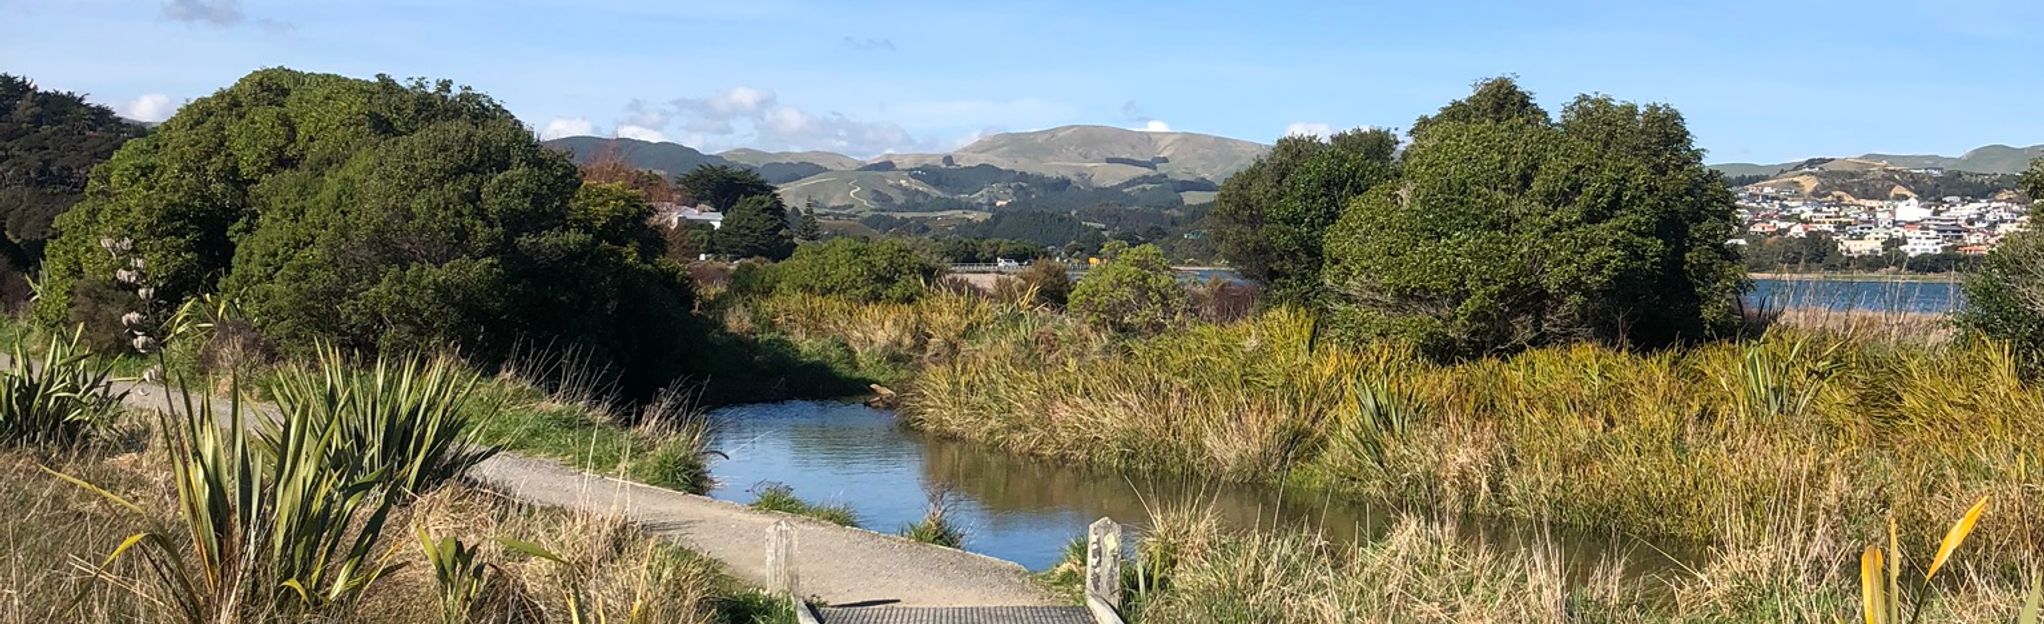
(1133, 293)
(868, 271)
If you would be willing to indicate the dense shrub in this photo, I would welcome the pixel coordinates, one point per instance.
(1050, 280)
(1133, 293)
(1510, 230)
(862, 270)
(377, 216)
(2005, 300)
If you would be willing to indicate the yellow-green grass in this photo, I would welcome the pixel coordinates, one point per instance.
(1186, 569)
(1830, 427)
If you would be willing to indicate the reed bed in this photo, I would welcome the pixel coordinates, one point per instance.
(1186, 569)
(1838, 418)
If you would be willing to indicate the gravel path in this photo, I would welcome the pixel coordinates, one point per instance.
(836, 565)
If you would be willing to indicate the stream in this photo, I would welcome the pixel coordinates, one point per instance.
(1027, 510)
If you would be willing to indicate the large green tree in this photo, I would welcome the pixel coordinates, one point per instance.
(49, 142)
(1271, 217)
(1509, 229)
(755, 228)
(723, 187)
(376, 215)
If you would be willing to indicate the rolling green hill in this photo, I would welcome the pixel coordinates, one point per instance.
(668, 158)
(1996, 159)
(831, 161)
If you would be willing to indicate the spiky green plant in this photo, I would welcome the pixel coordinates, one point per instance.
(264, 532)
(459, 572)
(407, 422)
(1384, 413)
(59, 399)
(1779, 378)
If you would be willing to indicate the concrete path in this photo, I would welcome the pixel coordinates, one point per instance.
(836, 565)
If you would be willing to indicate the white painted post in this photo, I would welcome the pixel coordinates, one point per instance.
(1103, 561)
(781, 557)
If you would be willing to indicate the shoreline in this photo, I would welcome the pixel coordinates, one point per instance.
(1952, 278)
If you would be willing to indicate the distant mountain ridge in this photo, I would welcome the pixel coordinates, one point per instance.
(2000, 159)
(1119, 162)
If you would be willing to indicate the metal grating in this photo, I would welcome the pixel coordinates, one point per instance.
(955, 615)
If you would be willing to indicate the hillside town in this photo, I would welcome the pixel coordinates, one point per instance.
(1861, 228)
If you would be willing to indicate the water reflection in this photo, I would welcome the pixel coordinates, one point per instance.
(1026, 510)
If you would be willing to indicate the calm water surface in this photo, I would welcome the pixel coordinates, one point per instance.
(1864, 295)
(1026, 510)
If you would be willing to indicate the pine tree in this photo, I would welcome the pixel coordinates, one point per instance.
(757, 227)
(807, 229)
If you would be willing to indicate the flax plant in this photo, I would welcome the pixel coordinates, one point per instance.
(59, 399)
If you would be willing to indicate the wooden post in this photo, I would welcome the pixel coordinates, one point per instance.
(1103, 561)
(781, 557)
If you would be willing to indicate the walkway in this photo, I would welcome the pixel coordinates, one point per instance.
(836, 565)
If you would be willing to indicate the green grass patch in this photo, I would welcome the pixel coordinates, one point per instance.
(781, 498)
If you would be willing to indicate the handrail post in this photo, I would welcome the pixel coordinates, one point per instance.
(1103, 561)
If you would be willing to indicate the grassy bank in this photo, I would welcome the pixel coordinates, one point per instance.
(1186, 570)
(1833, 430)
(1820, 428)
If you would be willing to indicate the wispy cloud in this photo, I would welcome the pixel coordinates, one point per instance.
(756, 117)
(222, 13)
(1309, 128)
(1134, 113)
(868, 44)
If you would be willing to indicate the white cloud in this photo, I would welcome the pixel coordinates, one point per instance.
(151, 108)
(1156, 125)
(215, 12)
(630, 131)
(566, 127)
(755, 117)
(740, 101)
(223, 13)
(1308, 128)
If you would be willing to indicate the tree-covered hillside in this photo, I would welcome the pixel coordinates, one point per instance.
(49, 142)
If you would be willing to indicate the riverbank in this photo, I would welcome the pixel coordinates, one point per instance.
(1803, 430)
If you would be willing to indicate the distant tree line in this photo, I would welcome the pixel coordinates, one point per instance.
(1820, 252)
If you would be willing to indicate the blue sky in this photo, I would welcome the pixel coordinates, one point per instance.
(1758, 80)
